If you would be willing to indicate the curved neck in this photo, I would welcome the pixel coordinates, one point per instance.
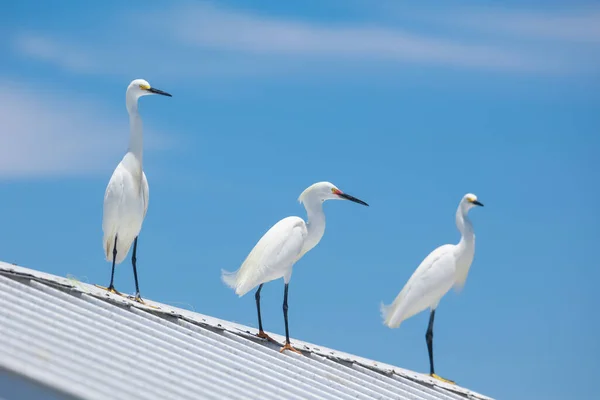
(136, 138)
(464, 225)
(315, 223)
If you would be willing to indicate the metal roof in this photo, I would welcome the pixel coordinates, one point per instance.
(79, 340)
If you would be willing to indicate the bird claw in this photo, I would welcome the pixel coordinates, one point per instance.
(138, 299)
(288, 346)
(439, 378)
(263, 335)
(110, 289)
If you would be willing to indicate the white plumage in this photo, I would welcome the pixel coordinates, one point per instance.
(272, 257)
(125, 206)
(127, 194)
(443, 268)
(282, 246)
(430, 281)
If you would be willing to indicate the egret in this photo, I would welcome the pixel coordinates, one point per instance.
(281, 247)
(443, 268)
(126, 196)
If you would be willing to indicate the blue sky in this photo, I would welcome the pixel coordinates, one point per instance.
(407, 106)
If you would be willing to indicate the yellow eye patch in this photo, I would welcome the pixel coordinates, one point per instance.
(144, 87)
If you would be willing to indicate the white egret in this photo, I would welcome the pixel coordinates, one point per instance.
(443, 268)
(281, 247)
(126, 196)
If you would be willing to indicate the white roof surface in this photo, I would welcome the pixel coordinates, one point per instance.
(82, 341)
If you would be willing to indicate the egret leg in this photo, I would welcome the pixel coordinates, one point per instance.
(138, 298)
(429, 339)
(111, 287)
(287, 345)
(261, 334)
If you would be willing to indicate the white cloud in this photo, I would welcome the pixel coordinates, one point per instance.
(201, 39)
(576, 26)
(49, 134)
(212, 28)
(54, 52)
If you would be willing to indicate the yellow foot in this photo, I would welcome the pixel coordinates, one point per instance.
(112, 290)
(289, 347)
(263, 335)
(141, 301)
(439, 378)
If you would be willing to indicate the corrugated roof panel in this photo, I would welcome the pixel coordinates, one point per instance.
(91, 344)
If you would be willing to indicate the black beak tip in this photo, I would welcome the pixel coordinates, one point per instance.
(354, 199)
(477, 203)
(161, 92)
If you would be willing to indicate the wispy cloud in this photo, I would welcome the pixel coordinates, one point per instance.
(208, 27)
(50, 134)
(54, 52)
(202, 39)
(576, 26)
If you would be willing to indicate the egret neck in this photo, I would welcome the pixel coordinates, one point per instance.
(136, 138)
(463, 223)
(315, 223)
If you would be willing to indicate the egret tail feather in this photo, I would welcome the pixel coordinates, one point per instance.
(107, 249)
(393, 314)
(459, 286)
(384, 309)
(123, 246)
(229, 278)
(388, 315)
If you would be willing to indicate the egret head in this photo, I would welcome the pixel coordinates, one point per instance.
(140, 87)
(322, 191)
(469, 201)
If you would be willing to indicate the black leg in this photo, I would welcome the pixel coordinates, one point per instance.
(287, 345)
(285, 314)
(133, 262)
(429, 339)
(261, 333)
(257, 297)
(111, 287)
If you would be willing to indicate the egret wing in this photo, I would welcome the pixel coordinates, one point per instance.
(271, 257)
(113, 196)
(145, 193)
(430, 281)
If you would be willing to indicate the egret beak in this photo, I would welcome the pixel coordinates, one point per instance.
(351, 198)
(158, 91)
(477, 203)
